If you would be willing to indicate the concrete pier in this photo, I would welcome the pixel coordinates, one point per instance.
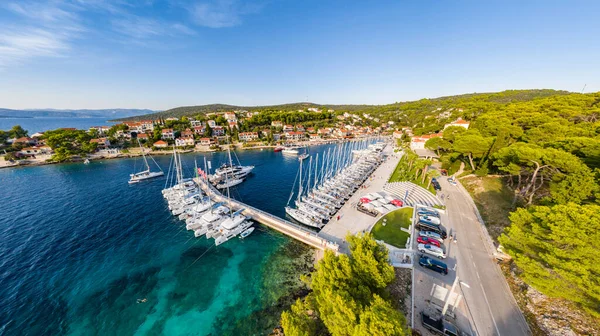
(286, 227)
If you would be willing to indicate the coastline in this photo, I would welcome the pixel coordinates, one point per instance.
(41, 160)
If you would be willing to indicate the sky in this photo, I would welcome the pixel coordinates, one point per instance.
(160, 54)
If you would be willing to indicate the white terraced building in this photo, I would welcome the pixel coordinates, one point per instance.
(416, 194)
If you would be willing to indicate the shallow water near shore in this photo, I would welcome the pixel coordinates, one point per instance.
(83, 252)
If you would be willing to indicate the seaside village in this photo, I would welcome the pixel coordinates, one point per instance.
(213, 131)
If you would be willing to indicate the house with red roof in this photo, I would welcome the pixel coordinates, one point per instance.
(458, 122)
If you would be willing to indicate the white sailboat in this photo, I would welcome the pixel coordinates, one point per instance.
(145, 174)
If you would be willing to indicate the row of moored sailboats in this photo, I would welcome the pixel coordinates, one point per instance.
(332, 181)
(205, 217)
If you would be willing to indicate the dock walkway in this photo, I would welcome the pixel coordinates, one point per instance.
(288, 228)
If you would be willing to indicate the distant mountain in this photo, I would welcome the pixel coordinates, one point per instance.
(53, 113)
(179, 112)
(387, 111)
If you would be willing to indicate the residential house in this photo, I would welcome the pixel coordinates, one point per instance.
(397, 134)
(147, 125)
(102, 130)
(35, 150)
(277, 123)
(458, 122)
(143, 136)
(248, 136)
(230, 116)
(218, 131)
(183, 142)
(199, 130)
(288, 128)
(300, 128)
(161, 144)
(187, 134)
(310, 130)
(313, 109)
(314, 137)
(232, 124)
(103, 143)
(206, 141)
(340, 117)
(276, 136)
(25, 141)
(168, 133)
(418, 142)
(324, 132)
(172, 119)
(295, 136)
(212, 123)
(197, 123)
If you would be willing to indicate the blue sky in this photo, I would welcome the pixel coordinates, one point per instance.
(160, 54)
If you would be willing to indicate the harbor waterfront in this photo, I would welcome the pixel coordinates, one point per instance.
(84, 252)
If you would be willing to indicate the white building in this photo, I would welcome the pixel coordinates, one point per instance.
(248, 136)
(458, 122)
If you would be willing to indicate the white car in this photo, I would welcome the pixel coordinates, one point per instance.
(430, 219)
(433, 250)
(431, 235)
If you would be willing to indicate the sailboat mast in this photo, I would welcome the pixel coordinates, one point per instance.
(309, 172)
(300, 184)
(143, 154)
(227, 182)
(316, 170)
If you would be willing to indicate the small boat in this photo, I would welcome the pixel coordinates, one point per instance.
(229, 183)
(291, 150)
(278, 149)
(86, 161)
(246, 233)
(145, 174)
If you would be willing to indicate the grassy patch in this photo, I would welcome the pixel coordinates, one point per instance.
(391, 232)
(493, 199)
(402, 173)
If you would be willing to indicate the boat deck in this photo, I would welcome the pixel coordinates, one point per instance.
(288, 228)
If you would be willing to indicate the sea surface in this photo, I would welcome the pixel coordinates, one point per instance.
(34, 125)
(84, 253)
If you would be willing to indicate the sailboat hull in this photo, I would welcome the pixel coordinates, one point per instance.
(136, 178)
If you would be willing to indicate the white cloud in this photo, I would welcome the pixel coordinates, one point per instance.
(16, 45)
(221, 13)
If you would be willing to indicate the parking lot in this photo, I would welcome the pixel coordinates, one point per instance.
(426, 279)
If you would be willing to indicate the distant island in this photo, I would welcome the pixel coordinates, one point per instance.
(15, 117)
(55, 113)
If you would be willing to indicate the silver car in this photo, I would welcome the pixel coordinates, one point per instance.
(432, 250)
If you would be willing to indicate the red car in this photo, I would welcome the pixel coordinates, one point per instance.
(425, 240)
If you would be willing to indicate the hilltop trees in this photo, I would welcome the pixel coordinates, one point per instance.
(472, 145)
(570, 180)
(349, 295)
(555, 248)
(67, 143)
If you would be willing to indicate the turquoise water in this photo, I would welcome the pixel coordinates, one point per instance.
(79, 247)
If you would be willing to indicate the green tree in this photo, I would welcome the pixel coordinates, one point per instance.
(472, 145)
(453, 132)
(438, 144)
(555, 248)
(17, 132)
(302, 319)
(381, 319)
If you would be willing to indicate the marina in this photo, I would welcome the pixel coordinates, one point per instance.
(209, 210)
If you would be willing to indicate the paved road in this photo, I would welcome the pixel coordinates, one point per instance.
(489, 300)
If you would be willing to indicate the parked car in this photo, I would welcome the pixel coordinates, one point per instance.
(438, 325)
(452, 180)
(430, 219)
(431, 235)
(427, 212)
(434, 265)
(433, 250)
(439, 229)
(436, 185)
(426, 240)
